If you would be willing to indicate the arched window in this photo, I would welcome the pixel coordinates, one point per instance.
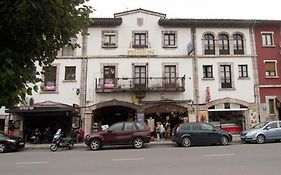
(223, 44)
(238, 45)
(209, 44)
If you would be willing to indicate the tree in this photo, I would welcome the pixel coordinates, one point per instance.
(32, 31)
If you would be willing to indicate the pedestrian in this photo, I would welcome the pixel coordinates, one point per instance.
(11, 128)
(80, 135)
(158, 131)
(48, 135)
(162, 132)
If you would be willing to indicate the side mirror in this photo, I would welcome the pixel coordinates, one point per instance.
(268, 128)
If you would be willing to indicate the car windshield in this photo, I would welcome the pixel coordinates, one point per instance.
(259, 125)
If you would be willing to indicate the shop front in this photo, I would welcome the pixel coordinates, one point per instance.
(44, 115)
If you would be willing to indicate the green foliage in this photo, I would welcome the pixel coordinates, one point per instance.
(32, 31)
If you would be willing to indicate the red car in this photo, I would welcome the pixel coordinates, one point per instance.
(121, 133)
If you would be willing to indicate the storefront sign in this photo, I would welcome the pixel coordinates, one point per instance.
(140, 52)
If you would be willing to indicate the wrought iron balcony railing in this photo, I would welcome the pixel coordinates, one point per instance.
(148, 84)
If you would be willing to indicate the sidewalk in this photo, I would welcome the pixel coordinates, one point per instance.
(236, 138)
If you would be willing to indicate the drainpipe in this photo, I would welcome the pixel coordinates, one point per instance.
(195, 73)
(83, 81)
(255, 68)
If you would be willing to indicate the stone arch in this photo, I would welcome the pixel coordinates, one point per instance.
(228, 100)
(113, 102)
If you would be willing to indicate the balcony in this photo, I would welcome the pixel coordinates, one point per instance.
(149, 84)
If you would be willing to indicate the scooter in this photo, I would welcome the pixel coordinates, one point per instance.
(61, 142)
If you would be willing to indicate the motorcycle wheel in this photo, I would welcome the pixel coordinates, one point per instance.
(53, 147)
(70, 146)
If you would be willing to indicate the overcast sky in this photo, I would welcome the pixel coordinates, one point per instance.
(226, 9)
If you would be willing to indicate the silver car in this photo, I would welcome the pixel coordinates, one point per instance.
(262, 132)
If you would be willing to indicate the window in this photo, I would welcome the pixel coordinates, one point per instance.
(116, 127)
(67, 51)
(226, 105)
(170, 75)
(243, 71)
(128, 126)
(70, 73)
(109, 77)
(140, 76)
(140, 125)
(207, 71)
(272, 125)
(196, 127)
(185, 127)
(225, 73)
(50, 74)
(109, 39)
(140, 39)
(270, 68)
(169, 39)
(267, 39)
(223, 44)
(271, 106)
(238, 44)
(207, 127)
(209, 44)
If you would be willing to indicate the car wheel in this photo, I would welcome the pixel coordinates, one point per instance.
(186, 142)
(138, 143)
(224, 140)
(95, 144)
(54, 147)
(2, 147)
(260, 139)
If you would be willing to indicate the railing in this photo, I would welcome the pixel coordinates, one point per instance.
(148, 84)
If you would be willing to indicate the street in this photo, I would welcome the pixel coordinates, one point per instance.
(235, 159)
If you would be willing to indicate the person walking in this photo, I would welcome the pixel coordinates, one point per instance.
(162, 132)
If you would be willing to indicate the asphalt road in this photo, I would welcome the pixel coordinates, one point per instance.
(235, 159)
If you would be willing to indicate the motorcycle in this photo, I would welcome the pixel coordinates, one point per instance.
(59, 141)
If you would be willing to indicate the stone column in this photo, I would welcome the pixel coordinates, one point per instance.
(88, 122)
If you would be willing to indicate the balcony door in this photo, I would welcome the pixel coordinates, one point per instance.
(140, 77)
(170, 76)
(109, 77)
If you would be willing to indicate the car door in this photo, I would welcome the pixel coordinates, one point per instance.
(271, 131)
(112, 135)
(196, 134)
(126, 135)
(210, 135)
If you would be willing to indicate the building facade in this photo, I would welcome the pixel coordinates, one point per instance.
(139, 65)
(268, 49)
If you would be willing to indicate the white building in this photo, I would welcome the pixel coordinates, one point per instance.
(141, 66)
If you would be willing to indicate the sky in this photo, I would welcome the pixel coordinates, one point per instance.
(198, 9)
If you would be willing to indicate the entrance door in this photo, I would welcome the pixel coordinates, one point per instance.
(140, 77)
(170, 76)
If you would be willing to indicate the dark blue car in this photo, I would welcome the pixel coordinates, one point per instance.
(196, 133)
(10, 143)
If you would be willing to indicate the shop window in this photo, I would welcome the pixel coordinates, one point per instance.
(209, 44)
(207, 71)
(50, 80)
(70, 73)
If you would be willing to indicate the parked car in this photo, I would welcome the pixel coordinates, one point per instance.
(10, 143)
(121, 133)
(262, 132)
(196, 133)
